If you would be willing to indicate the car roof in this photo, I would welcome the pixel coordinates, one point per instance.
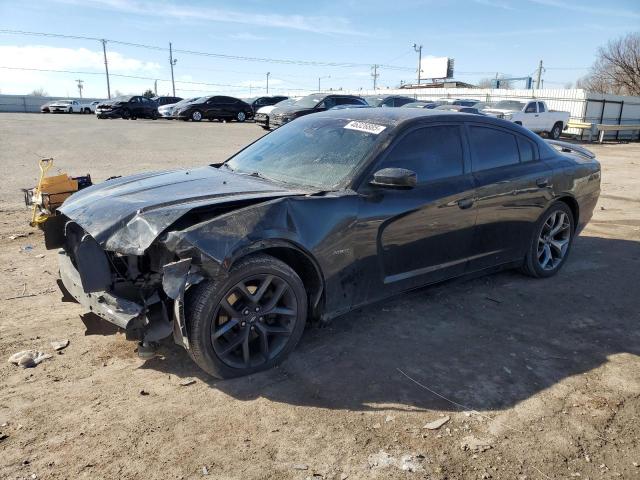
(395, 117)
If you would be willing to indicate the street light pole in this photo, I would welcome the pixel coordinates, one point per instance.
(268, 73)
(418, 49)
(172, 62)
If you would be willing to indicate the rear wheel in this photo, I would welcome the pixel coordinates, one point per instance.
(241, 116)
(556, 131)
(551, 242)
(248, 321)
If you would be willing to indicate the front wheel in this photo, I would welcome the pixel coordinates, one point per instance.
(556, 131)
(241, 116)
(196, 116)
(248, 321)
(126, 114)
(70, 109)
(551, 242)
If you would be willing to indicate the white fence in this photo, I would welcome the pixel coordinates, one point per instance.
(29, 103)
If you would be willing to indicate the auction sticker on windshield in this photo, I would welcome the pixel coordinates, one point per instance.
(365, 127)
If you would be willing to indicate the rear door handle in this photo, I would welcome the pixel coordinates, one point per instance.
(465, 203)
(542, 182)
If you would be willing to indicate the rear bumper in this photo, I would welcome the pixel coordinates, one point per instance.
(119, 311)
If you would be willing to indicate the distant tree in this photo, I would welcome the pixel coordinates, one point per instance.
(118, 93)
(485, 83)
(39, 92)
(616, 69)
(149, 93)
(568, 85)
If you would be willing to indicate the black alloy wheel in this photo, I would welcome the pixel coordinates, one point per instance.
(249, 321)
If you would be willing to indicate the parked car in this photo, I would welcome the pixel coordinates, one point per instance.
(328, 213)
(259, 102)
(166, 111)
(422, 104)
(459, 108)
(215, 107)
(91, 106)
(128, 107)
(316, 102)
(532, 114)
(262, 115)
(465, 102)
(388, 100)
(66, 106)
(44, 108)
(161, 101)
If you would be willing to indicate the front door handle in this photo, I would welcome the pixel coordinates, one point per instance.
(542, 182)
(465, 203)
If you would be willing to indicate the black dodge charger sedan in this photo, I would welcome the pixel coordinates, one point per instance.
(128, 107)
(217, 107)
(316, 102)
(326, 214)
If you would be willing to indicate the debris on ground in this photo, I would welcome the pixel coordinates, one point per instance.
(60, 344)
(436, 424)
(205, 471)
(18, 235)
(301, 466)
(476, 445)
(406, 463)
(28, 358)
(144, 393)
(187, 382)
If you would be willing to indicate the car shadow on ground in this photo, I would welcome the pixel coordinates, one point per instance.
(486, 343)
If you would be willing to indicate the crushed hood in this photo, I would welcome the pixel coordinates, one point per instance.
(127, 214)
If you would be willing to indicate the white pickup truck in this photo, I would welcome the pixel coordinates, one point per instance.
(531, 114)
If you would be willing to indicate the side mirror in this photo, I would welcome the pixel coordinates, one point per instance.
(395, 178)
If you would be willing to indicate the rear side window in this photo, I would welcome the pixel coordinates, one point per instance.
(432, 152)
(492, 148)
(527, 150)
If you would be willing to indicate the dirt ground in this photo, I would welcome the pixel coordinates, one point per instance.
(540, 379)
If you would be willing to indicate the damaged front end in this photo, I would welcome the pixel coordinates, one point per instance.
(142, 294)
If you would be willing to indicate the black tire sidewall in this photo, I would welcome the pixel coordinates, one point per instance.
(207, 296)
(531, 263)
(552, 134)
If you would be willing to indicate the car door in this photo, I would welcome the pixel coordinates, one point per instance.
(136, 106)
(423, 234)
(212, 108)
(530, 117)
(512, 189)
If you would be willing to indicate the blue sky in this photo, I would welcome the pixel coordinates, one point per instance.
(484, 37)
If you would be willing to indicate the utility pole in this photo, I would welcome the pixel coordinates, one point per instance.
(418, 49)
(106, 66)
(268, 73)
(375, 75)
(172, 62)
(80, 87)
(155, 87)
(539, 75)
(320, 78)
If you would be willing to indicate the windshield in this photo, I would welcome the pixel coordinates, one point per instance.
(63, 102)
(374, 101)
(416, 104)
(310, 152)
(509, 105)
(309, 101)
(184, 102)
(121, 99)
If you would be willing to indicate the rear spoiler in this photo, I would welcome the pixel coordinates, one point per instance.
(570, 147)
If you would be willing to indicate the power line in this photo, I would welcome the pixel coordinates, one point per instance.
(209, 54)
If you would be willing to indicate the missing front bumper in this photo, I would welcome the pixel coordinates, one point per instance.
(119, 311)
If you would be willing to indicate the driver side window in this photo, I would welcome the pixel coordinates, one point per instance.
(433, 153)
(531, 108)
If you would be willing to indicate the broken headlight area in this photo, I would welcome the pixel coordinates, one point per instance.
(142, 294)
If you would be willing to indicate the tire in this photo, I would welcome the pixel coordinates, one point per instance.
(241, 116)
(225, 356)
(265, 128)
(196, 116)
(126, 114)
(518, 123)
(70, 109)
(547, 251)
(556, 131)
(154, 115)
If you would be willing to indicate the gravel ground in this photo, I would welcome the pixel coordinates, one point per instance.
(539, 379)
